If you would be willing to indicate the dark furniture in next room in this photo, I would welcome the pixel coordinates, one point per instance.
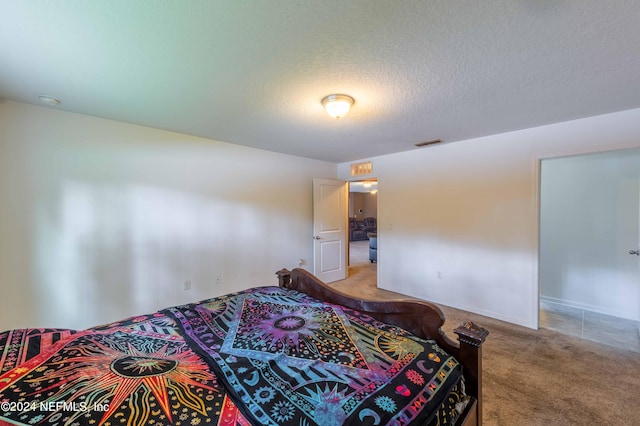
(358, 229)
(373, 247)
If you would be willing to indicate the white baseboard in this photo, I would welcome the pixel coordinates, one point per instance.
(633, 316)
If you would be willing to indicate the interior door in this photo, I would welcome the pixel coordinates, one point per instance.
(629, 234)
(589, 232)
(330, 223)
(636, 251)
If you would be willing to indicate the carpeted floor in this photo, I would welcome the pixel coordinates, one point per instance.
(538, 377)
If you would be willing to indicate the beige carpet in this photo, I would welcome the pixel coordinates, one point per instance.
(539, 377)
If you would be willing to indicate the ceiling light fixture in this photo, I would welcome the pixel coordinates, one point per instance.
(337, 106)
(48, 100)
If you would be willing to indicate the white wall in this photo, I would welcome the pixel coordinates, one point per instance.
(468, 212)
(589, 222)
(100, 220)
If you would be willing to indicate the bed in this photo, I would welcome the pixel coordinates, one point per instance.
(300, 353)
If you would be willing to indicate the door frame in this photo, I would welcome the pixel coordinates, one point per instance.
(373, 179)
(537, 197)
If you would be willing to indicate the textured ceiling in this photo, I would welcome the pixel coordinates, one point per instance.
(254, 72)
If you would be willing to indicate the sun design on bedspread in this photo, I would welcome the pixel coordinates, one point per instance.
(301, 331)
(103, 370)
(397, 347)
(289, 326)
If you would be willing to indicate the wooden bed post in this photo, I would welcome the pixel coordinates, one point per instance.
(471, 336)
(284, 277)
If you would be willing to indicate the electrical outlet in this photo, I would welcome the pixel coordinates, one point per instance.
(187, 285)
(439, 275)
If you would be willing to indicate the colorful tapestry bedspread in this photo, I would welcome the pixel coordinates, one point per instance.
(292, 360)
(265, 356)
(136, 372)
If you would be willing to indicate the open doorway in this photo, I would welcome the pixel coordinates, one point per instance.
(363, 227)
(589, 224)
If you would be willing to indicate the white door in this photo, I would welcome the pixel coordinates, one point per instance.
(589, 232)
(629, 234)
(330, 224)
(636, 251)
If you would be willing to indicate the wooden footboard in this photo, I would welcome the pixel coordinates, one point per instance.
(422, 318)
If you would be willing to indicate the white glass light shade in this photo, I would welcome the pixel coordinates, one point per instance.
(337, 106)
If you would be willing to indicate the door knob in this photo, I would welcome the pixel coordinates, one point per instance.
(636, 252)
(316, 237)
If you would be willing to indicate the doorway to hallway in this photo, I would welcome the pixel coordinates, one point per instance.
(363, 213)
(589, 222)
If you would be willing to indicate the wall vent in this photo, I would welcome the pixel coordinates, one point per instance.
(427, 143)
(359, 169)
